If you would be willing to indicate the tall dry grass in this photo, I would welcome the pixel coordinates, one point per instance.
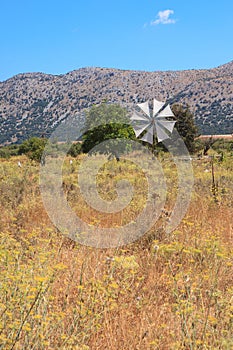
(161, 292)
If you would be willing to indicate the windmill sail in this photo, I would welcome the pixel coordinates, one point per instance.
(149, 136)
(167, 124)
(161, 134)
(145, 107)
(139, 129)
(138, 117)
(166, 112)
(157, 106)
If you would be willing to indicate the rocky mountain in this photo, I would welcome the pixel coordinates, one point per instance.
(33, 104)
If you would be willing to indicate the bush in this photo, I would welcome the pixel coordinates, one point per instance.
(4, 153)
(33, 148)
(75, 149)
(9, 151)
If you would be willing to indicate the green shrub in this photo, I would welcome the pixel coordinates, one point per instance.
(33, 148)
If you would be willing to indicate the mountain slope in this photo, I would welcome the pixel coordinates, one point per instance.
(34, 103)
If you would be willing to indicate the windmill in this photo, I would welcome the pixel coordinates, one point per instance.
(155, 124)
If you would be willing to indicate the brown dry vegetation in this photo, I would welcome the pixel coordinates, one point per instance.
(161, 292)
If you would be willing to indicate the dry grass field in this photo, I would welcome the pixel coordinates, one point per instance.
(160, 292)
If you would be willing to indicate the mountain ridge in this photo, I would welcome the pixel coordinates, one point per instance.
(32, 104)
(228, 64)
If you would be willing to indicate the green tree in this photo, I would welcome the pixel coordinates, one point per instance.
(75, 149)
(33, 148)
(185, 125)
(107, 122)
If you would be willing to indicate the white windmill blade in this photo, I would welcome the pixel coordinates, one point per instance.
(167, 124)
(149, 136)
(145, 107)
(161, 134)
(157, 106)
(166, 112)
(138, 129)
(138, 117)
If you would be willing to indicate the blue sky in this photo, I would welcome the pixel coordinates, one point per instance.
(60, 36)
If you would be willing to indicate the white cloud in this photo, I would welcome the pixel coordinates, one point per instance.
(163, 17)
